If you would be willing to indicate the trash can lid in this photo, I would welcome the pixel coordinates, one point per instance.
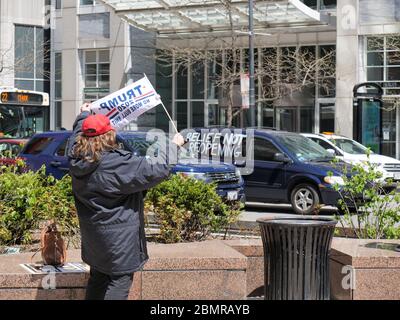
(301, 221)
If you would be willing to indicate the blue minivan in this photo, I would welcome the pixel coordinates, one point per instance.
(49, 148)
(287, 167)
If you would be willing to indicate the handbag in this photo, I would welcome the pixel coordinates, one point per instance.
(52, 245)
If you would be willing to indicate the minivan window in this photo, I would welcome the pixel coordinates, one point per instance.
(61, 150)
(322, 143)
(264, 150)
(304, 149)
(37, 145)
(350, 146)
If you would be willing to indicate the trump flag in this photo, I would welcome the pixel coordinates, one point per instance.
(125, 105)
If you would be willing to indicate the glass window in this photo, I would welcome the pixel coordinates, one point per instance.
(327, 117)
(104, 55)
(58, 75)
(61, 150)
(31, 58)
(58, 112)
(327, 77)
(393, 73)
(350, 146)
(86, 2)
(307, 119)
(198, 114)
(198, 80)
(379, 12)
(24, 59)
(264, 150)
(375, 74)
(268, 116)
(181, 116)
(328, 4)
(214, 74)
(383, 62)
(90, 56)
(97, 74)
(303, 148)
(25, 84)
(94, 26)
(58, 4)
(375, 59)
(322, 143)
(375, 44)
(37, 145)
(182, 82)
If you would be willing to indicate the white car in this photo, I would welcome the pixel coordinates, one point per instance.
(352, 152)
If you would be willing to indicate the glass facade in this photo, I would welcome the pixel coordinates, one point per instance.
(32, 58)
(94, 26)
(320, 4)
(382, 56)
(380, 12)
(286, 95)
(383, 62)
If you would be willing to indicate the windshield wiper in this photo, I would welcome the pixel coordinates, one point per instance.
(322, 159)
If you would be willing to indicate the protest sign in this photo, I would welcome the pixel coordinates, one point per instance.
(127, 104)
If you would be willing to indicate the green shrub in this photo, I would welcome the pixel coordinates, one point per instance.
(187, 209)
(371, 210)
(29, 198)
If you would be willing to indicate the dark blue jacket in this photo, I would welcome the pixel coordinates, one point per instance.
(109, 201)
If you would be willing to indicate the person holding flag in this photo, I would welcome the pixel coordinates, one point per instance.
(108, 185)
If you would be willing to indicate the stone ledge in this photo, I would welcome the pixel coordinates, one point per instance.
(373, 266)
(200, 270)
(368, 254)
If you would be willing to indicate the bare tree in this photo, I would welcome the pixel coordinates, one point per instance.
(282, 71)
(12, 64)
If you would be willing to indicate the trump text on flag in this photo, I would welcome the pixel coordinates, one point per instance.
(127, 104)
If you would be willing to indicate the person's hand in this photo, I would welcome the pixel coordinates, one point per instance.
(85, 107)
(178, 140)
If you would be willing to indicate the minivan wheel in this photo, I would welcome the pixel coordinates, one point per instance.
(304, 199)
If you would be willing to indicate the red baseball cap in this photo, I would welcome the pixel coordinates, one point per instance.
(95, 125)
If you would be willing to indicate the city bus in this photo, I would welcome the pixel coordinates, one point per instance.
(23, 112)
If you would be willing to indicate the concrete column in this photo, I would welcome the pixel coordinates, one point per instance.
(70, 64)
(347, 64)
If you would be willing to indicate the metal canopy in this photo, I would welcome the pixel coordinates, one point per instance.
(199, 16)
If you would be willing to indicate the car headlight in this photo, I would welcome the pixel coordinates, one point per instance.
(334, 180)
(237, 173)
(195, 175)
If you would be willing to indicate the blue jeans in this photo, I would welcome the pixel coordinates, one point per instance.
(108, 287)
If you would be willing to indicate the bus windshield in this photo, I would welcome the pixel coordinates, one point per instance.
(23, 121)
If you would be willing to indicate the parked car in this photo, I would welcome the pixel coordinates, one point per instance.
(352, 152)
(288, 168)
(49, 148)
(9, 150)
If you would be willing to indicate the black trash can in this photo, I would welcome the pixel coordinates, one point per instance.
(296, 257)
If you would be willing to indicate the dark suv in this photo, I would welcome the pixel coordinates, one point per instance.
(288, 168)
(49, 149)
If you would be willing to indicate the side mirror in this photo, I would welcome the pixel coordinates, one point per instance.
(280, 157)
(331, 152)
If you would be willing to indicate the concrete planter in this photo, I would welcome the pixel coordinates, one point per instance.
(232, 269)
(199, 270)
(365, 269)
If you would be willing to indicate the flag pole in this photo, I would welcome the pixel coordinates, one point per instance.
(172, 121)
(166, 111)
